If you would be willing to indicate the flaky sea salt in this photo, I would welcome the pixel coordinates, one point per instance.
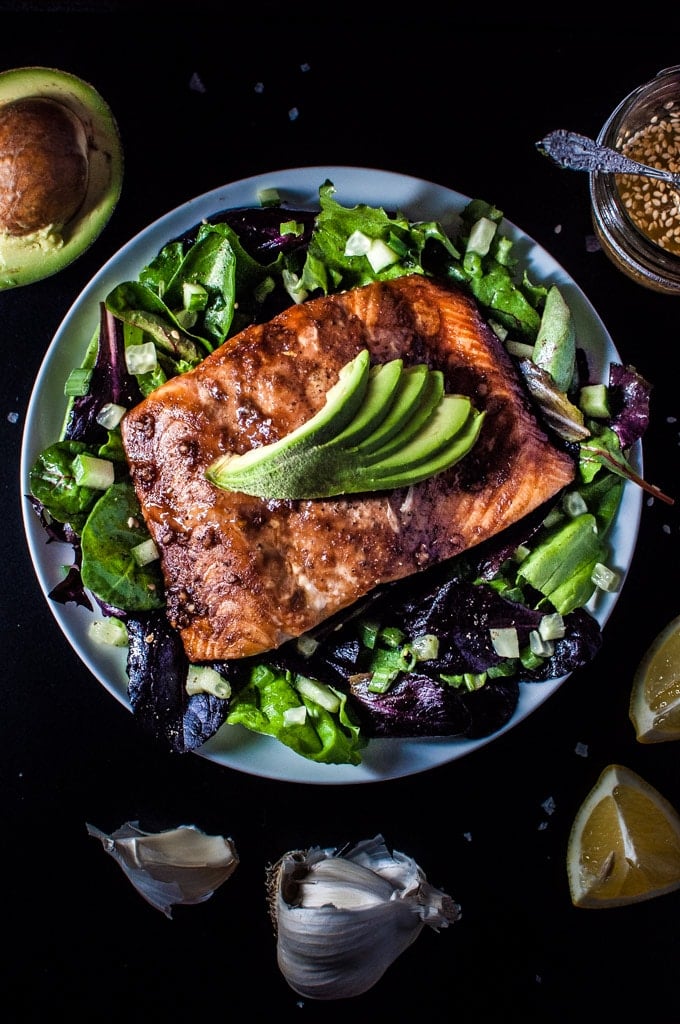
(581, 749)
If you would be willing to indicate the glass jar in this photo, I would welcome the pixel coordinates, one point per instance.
(637, 220)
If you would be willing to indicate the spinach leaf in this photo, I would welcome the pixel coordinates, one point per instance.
(114, 527)
(54, 485)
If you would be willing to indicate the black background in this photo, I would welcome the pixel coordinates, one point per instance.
(459, 103)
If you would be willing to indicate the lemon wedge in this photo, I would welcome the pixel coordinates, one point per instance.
(655, 695)
(624, 845)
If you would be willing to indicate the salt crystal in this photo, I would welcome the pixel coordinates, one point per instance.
(543, 826)
(195, 83)
(581, 749)
(13, 417)
(259, 87)
(558, 229)
(304, 67)
(549, 805)
(468, 836)
(293, 114)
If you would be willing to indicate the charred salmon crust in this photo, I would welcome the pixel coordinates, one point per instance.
(244, 575)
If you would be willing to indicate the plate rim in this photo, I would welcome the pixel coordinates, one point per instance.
(264, 756)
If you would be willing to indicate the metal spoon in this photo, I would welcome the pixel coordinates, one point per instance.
(579, 153)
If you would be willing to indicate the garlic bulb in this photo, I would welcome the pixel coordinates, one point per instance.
(341, 919)
(180, 865)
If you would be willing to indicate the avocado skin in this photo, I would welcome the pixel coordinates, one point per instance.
(40, 254)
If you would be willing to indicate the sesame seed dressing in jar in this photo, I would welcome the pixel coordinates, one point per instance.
(637, 219)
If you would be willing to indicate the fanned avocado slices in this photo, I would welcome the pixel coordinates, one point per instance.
(407, 430)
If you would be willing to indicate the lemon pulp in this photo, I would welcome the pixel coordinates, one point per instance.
(624, 845)
(655, 695)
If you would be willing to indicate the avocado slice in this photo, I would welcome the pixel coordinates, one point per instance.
(447, 420)
(60, 141)
(343, 401)
(429, 398)
(383, 381)
(409, 393)
(442, 459)
(555, 345)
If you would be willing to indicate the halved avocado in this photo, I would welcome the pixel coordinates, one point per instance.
(61, 171)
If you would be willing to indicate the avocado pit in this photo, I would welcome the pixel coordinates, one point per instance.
(43, 165)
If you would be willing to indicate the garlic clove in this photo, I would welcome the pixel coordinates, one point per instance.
(341, 919)
(181, 865)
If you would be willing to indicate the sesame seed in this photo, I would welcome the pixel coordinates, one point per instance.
(654, 207)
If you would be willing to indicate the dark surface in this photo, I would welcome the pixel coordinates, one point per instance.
(460, 105)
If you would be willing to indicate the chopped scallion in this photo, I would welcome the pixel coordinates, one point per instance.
(78, 382)
(145, 552)
(141, 358)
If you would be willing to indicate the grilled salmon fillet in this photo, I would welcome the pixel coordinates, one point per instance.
(242, 574)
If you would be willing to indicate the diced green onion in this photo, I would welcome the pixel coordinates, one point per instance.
(574, 504)
(291, 227)
(320, 693)
(481, 236)
(357, 244)
(605, 578)
(111, 632)
(529, 659)
(392, 636)
(505, 642)
(89, 471)
(306, 645)
(295, 716)
(543, 648)
(269, 197)
(110, 415)
(145, 552)
(551, 626)
(194, 296)
(368, 631)
(382, 679)
(203, 679)
(78, 382)
(141, 358)
(425, 647)
(468, 680)
(593, 401)
(380, 255)
(520, 553)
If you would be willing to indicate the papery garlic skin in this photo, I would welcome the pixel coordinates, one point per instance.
(181, 865)
(342, 919)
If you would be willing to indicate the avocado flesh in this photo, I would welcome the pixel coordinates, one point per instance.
(444, 458)
(407, 398)
(447, 420)
(431, 395)
(343, 401)
(318, 460)
(383, 381)
(32, 257)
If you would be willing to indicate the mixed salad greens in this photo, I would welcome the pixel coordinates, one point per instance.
(437, 655)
